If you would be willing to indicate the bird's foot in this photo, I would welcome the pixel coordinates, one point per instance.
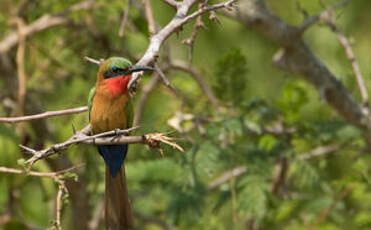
(116, 135)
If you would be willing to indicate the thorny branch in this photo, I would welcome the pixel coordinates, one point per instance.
(113, 137)
(190, 41)
(174, 25)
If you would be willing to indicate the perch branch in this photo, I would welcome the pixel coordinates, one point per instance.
(113, 137)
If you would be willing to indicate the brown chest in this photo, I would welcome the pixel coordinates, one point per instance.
(108, 113)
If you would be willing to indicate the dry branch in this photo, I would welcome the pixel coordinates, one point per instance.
(146, 90)
(113, 137)
(124, 18)
(350, 55)
(319, 151)
(149, 16)
(182, 66)
(174, 25)
(295, 56)
(225, 177)
(44, 22)
(53, 175)
(43, 115)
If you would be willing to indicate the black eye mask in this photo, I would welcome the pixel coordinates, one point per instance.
(117, 71)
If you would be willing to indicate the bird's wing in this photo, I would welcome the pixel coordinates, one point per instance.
(90, 100)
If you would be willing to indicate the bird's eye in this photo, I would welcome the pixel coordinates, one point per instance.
(115, 69)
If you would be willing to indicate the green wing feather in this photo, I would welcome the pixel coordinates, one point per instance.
(90, 100)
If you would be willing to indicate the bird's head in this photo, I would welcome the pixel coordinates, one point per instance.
(115, 73)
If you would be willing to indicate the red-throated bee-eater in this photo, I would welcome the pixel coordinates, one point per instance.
(109, 109)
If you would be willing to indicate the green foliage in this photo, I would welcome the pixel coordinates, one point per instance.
(252, 199)
(266, 117)
(230, 77)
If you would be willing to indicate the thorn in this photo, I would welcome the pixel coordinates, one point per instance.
(29, 150)
(73, 129)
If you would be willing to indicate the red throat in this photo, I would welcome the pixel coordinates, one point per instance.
(117, 85)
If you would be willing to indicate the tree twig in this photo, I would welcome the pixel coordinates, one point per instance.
(149, 16)
(94, 61)
(146, 90)
(319, 151)
(105, 138)
(296, 56)
(312, 20)
(177, 22)
(180, 65)
(39, 174)
(125, 19)
(350, 55)
(191, 40)
(44, 22)
(43, 115)
(172, 3)
(236, 172)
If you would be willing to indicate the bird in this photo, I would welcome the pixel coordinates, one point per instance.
(110, 108)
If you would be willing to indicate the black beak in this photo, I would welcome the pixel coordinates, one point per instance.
(137, 68)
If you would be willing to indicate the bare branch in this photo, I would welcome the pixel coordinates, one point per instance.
(180, 65)
(113, 137)
(177, 22)
(165, 80)
(43, 115)
(172, 3)
(149, 16)
(21, 73)
(39, 174)
(236, 172)
(312, 20)
(319, 151)
(97, 216)
(42, 23)
(146, 90)
(94, 61)
(350, 55)
(190, 41)
(295, 56)
(58, 206)
(125, 19)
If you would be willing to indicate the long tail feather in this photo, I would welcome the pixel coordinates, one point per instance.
(118, 214)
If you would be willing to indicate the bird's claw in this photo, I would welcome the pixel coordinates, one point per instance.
(116, 135)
